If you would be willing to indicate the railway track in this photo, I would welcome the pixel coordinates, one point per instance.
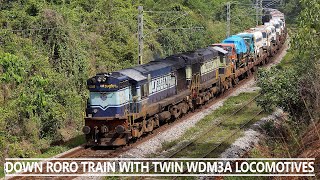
(216, 123)
(225, 139)
(222, 138)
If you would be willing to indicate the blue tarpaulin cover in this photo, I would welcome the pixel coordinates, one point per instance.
(249, 38)
(238, 42)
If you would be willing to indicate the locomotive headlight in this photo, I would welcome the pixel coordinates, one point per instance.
(93, 80)
(99, 79)
(86, 129)
(120, 129)
(95, 110)
(103, 79)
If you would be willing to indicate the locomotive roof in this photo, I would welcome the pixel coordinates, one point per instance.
(223, 44)
(245, 34)
(199, 55)
(163, 66)
(116, 75)
(176, 61)
(151, 66)
(207, 53)
(190, 57)
(141, 72)
(133, 74)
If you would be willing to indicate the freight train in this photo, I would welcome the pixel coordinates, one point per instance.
(125, 104)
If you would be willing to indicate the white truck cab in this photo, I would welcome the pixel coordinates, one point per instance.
(266, 35)
(276, 24)
(257, 40)
(274, 34)
(272, 30)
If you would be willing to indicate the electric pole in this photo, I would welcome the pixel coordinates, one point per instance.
(257, 12)
(228, 18)
(140, 34)
(261, 11)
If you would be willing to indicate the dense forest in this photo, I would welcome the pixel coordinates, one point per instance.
(49, 48)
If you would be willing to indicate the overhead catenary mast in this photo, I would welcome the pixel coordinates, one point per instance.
(228, 18)
(140, 34)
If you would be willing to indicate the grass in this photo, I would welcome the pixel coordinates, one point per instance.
(1, 171)
(286, 62)
(55, 150)
(230, 105)
(220, 132)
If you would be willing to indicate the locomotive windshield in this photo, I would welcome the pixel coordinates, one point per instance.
(102, 99)
(248, 40)
(109, 93)
(264, 34)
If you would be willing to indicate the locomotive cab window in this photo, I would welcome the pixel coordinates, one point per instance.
(123, 84)
(222, 60)
(264, 34)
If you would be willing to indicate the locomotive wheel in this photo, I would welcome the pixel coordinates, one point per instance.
(137, 130)
(230, 84)
(222, 90)
(149, 125)
(175, 112)
(248, 73)
(156, 121)
(235, 81)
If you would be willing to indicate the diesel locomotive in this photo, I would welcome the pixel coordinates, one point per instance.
(125, 104)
